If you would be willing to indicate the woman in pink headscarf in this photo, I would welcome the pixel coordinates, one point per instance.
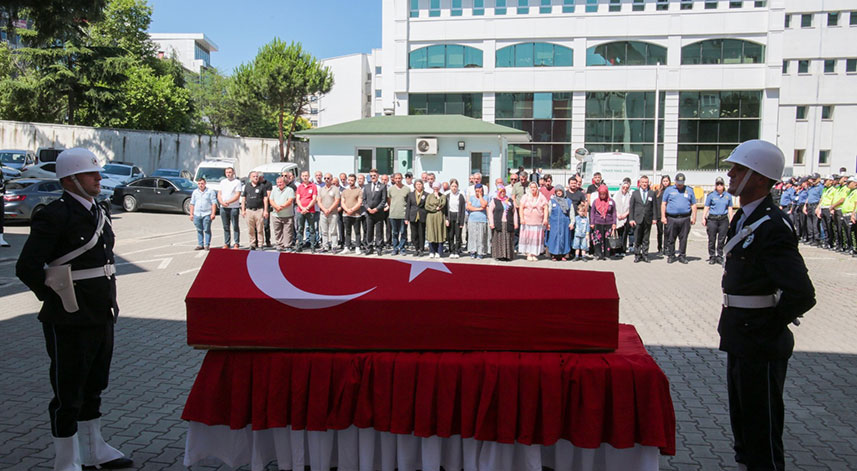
(602, 220)
(534, 218)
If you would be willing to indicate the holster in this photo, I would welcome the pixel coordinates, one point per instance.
(58, 278)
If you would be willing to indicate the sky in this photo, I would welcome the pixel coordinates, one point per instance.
(325, 28)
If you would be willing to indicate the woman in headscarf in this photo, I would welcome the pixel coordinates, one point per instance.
(503, 220)
(561, 213)
(436, 221)
(477, 223)
(659, 198)
(534, 217)
(602, 220)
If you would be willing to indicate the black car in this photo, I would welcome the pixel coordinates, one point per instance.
(164, 193)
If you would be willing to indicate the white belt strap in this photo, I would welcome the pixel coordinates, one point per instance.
(80, 250)
(751, 302)
(745, 232)
(87, 273)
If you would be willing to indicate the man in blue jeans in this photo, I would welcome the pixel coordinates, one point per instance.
(230, 206)
(203, 207)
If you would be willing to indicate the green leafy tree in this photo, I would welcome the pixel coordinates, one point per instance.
(53, 19)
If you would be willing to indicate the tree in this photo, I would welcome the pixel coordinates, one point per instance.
(52, 19)
(284, 76)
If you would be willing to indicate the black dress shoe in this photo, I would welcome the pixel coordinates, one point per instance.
(671, 259)
(118, 463)
(682, 260)
(637, 259)
(712, 260)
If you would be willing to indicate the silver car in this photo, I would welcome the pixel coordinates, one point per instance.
(27, 196)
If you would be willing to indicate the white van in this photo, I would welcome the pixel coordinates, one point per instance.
(214, 170)
(275, 169)
(613, 166)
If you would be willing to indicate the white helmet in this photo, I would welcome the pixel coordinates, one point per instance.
(761, 157)
(76, 160)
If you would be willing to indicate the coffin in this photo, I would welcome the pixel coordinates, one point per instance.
(261, 299)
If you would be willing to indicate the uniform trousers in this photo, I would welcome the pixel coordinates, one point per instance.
(677, 228)
(756, 410)
(848, 230)
(641, 238)
(80, 366)
(812, 229)
(716, 226)
(800, 219)
(283, 231)
(256, 226)
(829, 231)
(839, 227)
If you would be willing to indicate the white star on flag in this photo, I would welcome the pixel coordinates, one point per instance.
(418, 267)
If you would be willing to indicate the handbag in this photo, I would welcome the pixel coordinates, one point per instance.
(613, 241)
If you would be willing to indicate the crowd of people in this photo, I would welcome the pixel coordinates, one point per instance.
(525, 214)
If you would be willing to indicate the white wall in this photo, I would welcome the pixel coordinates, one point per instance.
(347, 100)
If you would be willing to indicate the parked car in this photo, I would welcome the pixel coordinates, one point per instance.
(214, 170)
(48, 154)
(27, 196)
(273, 170)
(115, 173)
(9, 173)
(17, 158)
(167, 193)
(172, 172)
(41, 170)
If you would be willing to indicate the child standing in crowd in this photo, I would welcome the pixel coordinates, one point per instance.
(580, 244)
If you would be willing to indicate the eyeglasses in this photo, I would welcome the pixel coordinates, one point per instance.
(327, 178)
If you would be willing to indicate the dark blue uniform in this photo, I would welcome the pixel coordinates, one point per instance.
(80, 344)
(758, 341)
(717, 222)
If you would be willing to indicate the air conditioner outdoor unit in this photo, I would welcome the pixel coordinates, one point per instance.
(426, 145)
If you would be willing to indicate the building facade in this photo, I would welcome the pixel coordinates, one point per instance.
(193, 50)
(585, 73)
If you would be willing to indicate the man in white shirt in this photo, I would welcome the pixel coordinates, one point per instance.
(230, 206)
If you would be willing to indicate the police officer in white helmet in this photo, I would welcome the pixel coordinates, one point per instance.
(67, 261)
(765, 288)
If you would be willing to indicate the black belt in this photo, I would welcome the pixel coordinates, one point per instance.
(678, 215)
(717, 217)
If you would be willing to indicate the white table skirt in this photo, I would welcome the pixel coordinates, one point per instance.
(356, 449)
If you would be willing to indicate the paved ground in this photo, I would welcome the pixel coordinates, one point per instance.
(674, 307)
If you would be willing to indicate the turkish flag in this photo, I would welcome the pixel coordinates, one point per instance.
(318, 302)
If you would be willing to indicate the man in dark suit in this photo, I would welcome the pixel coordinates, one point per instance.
(415, 217)
(67, 262)
(374, 199)
(766, 287)
(643, 214)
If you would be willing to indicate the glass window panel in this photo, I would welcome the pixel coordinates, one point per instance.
(732, 49)
(711, 51)
(631, 131)
(749, 129)
(454, 104)
(852, 20)
(364, 160)
(722, 154)
(800, 112)
(690, 54)
(615, 53)
(522, 105)
(614, 105)
(505, 57)
(829, 66)
(687, 130)
(563, 56)
(635, 105)
(635, 53)
(543, 55)
(541, 130)
(827, 112)
(803, 67)
(656, 55)
(542, 156)
(562, 105)
(594, 104)
(523, 7)
(504, 104)
(524, 55)
(639, 5)
(561, 156)
(709, 104)
(615, 6)
(436, 56)
(568, 6)
(542, 105)
(736, 4)
(594, 130)
(729, 104)
(688, 104)
(417, 104)
(806, 20)
(729, 131)
(499, 7)
(454, 56)
(561, 130)
(545, 6)
(478, 7)
(591, 6)
(527, 125)
(472, 57)
(418, 58)
(434, 8)
(686, 158)
(751, 104)
(707, 158)
(512, 123)
(384, 160)
(594, 56)
(476, 105)
(456, 8)
(851, 65)
(708, 130)
(415, 8)
(753, 53)
(436, 103)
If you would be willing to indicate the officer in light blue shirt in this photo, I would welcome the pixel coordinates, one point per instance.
(788, 197)
(715, 218)
(678, 213)
(813, 197)
(798, 216)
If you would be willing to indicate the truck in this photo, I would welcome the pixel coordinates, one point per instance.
(214, 170)
(613, 166)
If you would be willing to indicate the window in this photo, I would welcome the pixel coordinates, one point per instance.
(788, 20)
(800, 113)
(546, 7)
(626, 53)
(380, 158)
(760, 3)
(711, 5)
(377, 70)
(639, 5)
(851, 65)
(547, 117)
(568, 6)
(785, 67)
(806, 20)
(615, 5)
(662, 5)
(467, 104)
(523, 7)
(445, 56)
(481, 162)
(803, 66)
(829, 66)
(377, 93)
(687, 4)
(591, 6)
(827, 112)
(499, 7)
(852, 21)
(723, 51)
(824, 157)
(456, 8)
(799, 153)
(434, 8)
(534, 55)
(833, 18)
(712, 123)
(415, 8)
(478, 7)
(623, 121)
(736, 4)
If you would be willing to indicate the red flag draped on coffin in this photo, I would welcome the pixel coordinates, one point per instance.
(309, 302)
